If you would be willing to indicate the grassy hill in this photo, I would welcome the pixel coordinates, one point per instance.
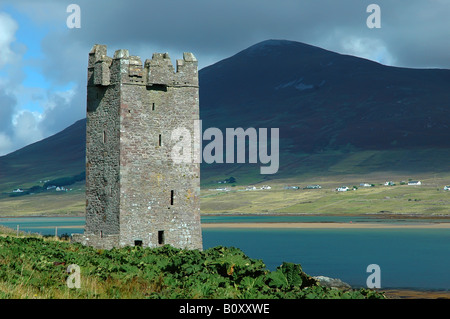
(342, 119)
(60, 155)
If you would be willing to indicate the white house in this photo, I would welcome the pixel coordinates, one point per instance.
(414, 183)
(313, 187)
(446, 188)
(391, 183)
(342, 189)
(266, 187)
(18, 191)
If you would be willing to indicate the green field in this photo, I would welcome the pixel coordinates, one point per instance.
(429, 199)
(45, 204)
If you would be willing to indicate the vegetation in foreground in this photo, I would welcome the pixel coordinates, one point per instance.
(36, 267)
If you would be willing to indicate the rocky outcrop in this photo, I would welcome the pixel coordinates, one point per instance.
(332, 282)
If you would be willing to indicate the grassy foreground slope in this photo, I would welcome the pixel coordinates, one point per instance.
(34, 267)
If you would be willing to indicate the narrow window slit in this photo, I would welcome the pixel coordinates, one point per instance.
(161, 237)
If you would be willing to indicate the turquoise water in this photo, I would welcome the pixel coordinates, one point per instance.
(45, 225)
(408, 258)
(315, 219)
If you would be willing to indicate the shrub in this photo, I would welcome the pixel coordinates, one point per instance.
(40, 265)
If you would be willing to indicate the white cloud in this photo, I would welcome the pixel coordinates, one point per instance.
(8, 27)
(26, 130)
(369, 48)
(29, 114)
(6, 145)
(61, 109)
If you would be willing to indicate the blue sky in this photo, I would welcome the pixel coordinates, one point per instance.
(28, 92)
(30, 34)
(43, 62)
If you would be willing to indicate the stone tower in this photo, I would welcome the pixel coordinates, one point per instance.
(135, 193)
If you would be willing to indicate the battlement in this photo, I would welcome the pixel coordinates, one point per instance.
(123, 68)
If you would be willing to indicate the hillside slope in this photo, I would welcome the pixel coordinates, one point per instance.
(59, 155)
(337, 114)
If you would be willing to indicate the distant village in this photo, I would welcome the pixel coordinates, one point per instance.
(56, 185)
(49, 188)
(338, 189)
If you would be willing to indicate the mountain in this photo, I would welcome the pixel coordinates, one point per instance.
(324, 100)
(59, 155)
(336, 114)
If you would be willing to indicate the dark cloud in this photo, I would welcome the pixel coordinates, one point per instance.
(415, 33)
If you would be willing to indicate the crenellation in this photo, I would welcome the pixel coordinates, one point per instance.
(157, 71)
(121, 54)
(102, 74)
(97, 53)
(135, 71)
(160, 69)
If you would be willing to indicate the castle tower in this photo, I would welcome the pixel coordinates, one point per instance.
(135, 193)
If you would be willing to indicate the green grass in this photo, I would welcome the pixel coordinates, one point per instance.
(35, 267)
(331, 168)
(429, 199)
(48, 203)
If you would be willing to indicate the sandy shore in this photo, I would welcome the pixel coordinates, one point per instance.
(327, 225)
(311, 225)
(415, 294)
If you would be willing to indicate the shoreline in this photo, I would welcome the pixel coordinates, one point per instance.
(319, 225)
(288, 225)
(405, 293)
(296, 225)
(311, 225)
(384, 215)
(300, 225)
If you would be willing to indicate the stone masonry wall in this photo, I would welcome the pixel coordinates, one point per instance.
(102, 145)
(158, 199)
(135, 194)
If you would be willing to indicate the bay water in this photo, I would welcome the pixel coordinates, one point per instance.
(408, 258)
